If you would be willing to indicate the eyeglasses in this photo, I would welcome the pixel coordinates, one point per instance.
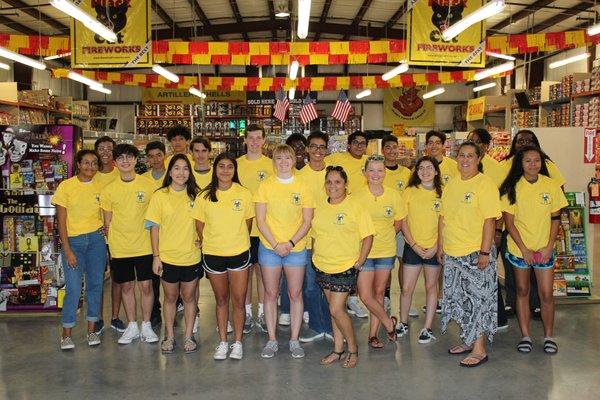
(525, 141)
(375, 157)
(105, 149)
(358, 143)
(337, 168)
(316, 147)
(124, 157)
(426, 168)
(89, 163)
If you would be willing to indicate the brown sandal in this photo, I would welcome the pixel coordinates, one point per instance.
(332, 357)
(351, 360)
(391, 335)
(460, 349)
(375, 343)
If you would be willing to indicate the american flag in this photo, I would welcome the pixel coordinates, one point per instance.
(342, 108)
(308, 111)
(282, 105)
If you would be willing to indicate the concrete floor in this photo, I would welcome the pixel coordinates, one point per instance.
(33, 367)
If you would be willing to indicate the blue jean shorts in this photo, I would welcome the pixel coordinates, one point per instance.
(267, 258)
(518, 262)
(377, 264)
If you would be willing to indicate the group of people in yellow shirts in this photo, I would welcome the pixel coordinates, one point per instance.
(334, 227)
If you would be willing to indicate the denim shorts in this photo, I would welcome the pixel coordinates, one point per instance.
(412, 258)
(269, 259)
(376, 264)
(518, 262)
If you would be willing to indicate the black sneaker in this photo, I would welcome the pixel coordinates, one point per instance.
(99, 327)
(117, 325)
(155, 320)
(537, 314)
(401, 329)
(426, 336)
(438, 308)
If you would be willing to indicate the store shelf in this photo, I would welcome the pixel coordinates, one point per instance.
(495, 110)
(161, 117)
(551, 103)
(586, 94)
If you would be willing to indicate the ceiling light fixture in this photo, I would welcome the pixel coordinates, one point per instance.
(197, 92)
(502, 56)
(294, 70)
(292, 93)
(86, 19)
(56, 56)
(568, 60)
(165, 73)
(21, 59)
(400, 69)
(593, 30)
(100, 88)
(303, 18)
(434, 92)
(281, 9)
(488, 10)
(486, 73)
(82, 79)
(484, 86)
(4, 66)
(364, 93)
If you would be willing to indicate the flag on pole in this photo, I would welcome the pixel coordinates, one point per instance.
(342, 108)
(282, 105)
(308, 111)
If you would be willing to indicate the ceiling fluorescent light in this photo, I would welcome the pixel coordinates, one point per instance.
(101, 89)
(364, 93)
(292, 93)
(303, 18)
(486, 73)
(400, 69)
(593, 30)
(502, 56)
(56, 56)
(568, 60)
(21, 59)
(86, 19)
(485, 86)
(197, 92)
(4, 66)
(165, 73)
(488, 10)
(294, 70)
(82, 79)
(434, 92)
(281, 9)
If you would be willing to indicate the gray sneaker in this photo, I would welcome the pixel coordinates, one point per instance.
(260, 321)
(270, 349)
(67, 343)
(296, 350)
(248, 324)
(93, 339)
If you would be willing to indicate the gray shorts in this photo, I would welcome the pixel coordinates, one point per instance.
(399, 245)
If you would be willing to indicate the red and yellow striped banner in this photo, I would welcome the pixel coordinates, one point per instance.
(36, 45)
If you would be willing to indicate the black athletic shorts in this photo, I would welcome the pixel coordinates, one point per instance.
(220, 265)
(127, 269)
(254, 242)
(178, 273)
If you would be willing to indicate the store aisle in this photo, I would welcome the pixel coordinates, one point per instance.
(33, 367)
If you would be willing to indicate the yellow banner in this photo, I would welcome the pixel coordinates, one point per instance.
(426, 22)
(129, 19)
(476, 109)
(159, 95)
(406, 106)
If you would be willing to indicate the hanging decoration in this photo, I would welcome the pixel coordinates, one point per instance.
(406, 106)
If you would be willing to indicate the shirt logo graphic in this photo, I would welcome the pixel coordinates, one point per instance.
(261, 176)
(340, 219)
(468, 197)
(237, 205)
(296, 199)
(191, 203)
(98, 197)
(400, 185)
(545, 198)
(140, 197)
(446, 178)
(436, 206)
(388, 211)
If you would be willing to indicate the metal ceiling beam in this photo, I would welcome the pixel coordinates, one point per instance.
(238, 17)
(359, 16)
(555, 20)
(396, 17)
(34, 12)
(168, 20)
(323, 17)
(203, 18)
(272, 17)
(17, 26)
(524, 13)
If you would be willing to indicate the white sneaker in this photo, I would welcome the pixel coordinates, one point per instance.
(221, 351)
(285, 319)
(196, 322)
(93, 339)
(148, 334)
(67, 343)
(354, 308)
(229, 327)
(305, 317)
(237, 352)
(413, 313)
(131, 333)
(387, 304)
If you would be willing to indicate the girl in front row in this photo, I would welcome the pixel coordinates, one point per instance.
(175, 248)
(531, 204)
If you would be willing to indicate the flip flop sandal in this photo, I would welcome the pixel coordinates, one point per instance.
(167, 346)
(478, 357)
(550, 347)
(392, 335)
(375, 343)
(464, 349)
(331, 357)
(190, 345)
(351, 360)
(525, 346)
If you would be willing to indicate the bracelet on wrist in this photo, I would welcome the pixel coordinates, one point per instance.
(484, 253)
(292, 243)
(155, 255)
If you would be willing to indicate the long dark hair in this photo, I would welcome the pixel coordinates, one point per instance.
(191, 186)
(509, 185)
(478, 151)
(210, 191)
(415, 181)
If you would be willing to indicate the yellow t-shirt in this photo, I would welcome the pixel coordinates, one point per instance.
(465, 206)
(316, 183)
(354, 169)
(532, 210)
(103, 179)
(397, 178)
(203, 180)
(172, 211)
(285, 203)
(337, 231)
(492, 169)
(128, 202)
(225, 231)
(423, 211)
(157, 182)
(82, 201)
(188, 155)
(384, 210)
(448, 169)
(251, 174)
(553, 170)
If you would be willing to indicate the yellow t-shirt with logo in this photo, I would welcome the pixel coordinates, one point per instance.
(532, 211)
(354, 168)
(203, 180)
(157, 182)
(397, 178)
(492, 169)
(384, 210)
(128, 201)
(172, 211)
(337, 232)
(225, 231)
(251, 174)
(448, 169)
(103, 179)
(423, 212)
(553, 170)
(188, 155)
(82, 201)
(466, 204)
(285, 203)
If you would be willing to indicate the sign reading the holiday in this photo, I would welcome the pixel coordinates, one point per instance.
(589, 146)
(406, 106)
(476, 109)
(129, 20)
(426, 22)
